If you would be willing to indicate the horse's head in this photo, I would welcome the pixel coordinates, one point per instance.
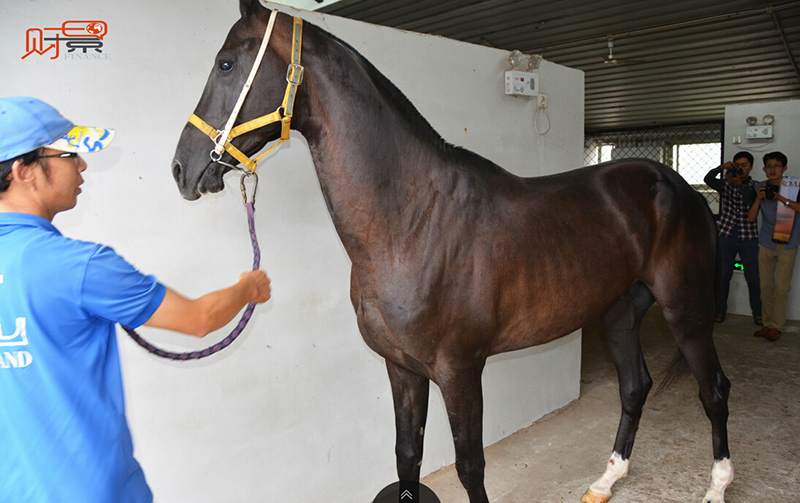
(193, 168)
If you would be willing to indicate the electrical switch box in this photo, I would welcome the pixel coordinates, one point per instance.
(758, 132)
(522, 83)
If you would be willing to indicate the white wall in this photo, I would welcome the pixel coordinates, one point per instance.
(786, 139)
(298, 408)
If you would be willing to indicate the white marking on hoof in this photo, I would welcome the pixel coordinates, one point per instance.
(616, 469)
(721, 477)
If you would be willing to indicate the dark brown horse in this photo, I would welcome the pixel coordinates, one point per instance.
(454, 259)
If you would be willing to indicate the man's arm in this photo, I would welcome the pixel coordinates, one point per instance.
(753, 213)
(712, 181)
(212, 311)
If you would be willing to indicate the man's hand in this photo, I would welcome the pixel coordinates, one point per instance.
(259, 282)
(732, 175)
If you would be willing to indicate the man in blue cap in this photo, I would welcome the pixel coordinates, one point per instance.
(63, 432)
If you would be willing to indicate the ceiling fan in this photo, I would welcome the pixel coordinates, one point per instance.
(611, 60)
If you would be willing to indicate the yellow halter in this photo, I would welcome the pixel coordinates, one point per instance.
(294, 77)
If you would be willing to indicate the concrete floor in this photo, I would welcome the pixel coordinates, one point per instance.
(558, 457)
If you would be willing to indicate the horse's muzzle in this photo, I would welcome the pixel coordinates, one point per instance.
(188, 191)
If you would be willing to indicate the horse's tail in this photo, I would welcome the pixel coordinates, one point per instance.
(674, 371)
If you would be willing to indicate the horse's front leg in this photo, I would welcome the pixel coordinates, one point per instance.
(410, 395)
(463, 398)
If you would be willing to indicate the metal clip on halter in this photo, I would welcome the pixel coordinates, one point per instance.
(244, 187)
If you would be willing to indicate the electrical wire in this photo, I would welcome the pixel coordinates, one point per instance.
(541, 105)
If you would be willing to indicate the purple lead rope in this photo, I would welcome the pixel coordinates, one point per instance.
(196, 355)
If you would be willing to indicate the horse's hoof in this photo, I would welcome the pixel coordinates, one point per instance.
(593, 497)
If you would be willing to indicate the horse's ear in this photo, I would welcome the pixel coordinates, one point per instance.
(249, 7)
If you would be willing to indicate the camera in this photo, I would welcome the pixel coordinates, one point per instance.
(730, 173)
(770, 191)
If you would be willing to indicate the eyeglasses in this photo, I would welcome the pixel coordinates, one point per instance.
(63, 155)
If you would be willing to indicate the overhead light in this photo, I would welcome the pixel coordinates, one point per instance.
(751, 121)
(533, 61)
(768, 120)
(610, 58)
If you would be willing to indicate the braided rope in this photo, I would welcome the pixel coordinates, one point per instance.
(248, 312)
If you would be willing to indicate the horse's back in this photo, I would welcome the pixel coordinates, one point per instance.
(642, 193)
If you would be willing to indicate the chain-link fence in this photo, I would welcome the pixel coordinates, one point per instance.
(691, 150)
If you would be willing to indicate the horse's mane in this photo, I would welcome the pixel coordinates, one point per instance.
(409, 112)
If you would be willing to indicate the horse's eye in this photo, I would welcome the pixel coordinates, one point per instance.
(225, 66)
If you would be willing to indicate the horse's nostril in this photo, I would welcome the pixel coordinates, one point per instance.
(177, 170)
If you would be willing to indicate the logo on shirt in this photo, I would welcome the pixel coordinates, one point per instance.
(18, 338)
(10, 356)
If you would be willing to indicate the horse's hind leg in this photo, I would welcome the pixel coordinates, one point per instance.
(410, 394)
(688, 312)
(621, 324)
(698, 349)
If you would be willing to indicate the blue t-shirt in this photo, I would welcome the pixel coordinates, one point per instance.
(64, 437)
(769, 211)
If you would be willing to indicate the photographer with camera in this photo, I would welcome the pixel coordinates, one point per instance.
(737, 234)
(778, 240)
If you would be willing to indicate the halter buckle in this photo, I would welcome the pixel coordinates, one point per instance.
(299, 71)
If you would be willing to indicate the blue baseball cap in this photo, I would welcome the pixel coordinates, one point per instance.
(27, 124)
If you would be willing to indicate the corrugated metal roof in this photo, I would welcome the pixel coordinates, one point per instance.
(675, 62)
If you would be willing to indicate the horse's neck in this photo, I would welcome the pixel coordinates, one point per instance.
(369, 158)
